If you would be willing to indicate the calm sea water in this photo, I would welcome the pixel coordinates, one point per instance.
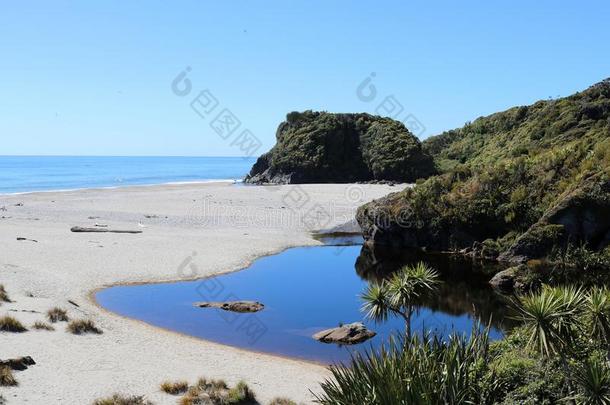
(306, 290)
(44, 173)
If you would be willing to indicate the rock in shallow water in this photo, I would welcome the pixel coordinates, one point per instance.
(234, 306)
(504, 281)
(349, 334)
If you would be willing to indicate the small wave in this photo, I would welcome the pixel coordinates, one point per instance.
(171, 183)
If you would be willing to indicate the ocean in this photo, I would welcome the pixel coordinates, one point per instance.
(19, 174)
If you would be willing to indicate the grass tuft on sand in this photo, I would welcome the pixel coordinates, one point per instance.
(6, 377)
(10, 324)
(216, 392)
(39, 325)
(3, 295)
(118, 399)
(57, 314)
(241, 394)
(82, 326)
(282, 401)
(174, 387)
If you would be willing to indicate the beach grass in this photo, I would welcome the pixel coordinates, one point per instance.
(174, 387)
(82, 326)
(282, 401)
(217, 392)
(57, 314)
(3, 295)
(10, 324)
(39, 325)
(240, 394)
(118, 399)
(6, 377)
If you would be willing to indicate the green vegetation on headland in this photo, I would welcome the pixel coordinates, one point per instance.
(532, 182)
(320, 147)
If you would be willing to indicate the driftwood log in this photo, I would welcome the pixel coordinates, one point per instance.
(20, 363)
(100, 230)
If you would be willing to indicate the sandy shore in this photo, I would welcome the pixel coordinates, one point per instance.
(227, 226)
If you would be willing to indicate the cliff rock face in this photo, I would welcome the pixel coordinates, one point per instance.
(517, 183)
(582, 216)
(320, 147)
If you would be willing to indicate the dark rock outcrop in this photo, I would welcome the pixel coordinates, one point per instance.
(582, 217)
(320, 147)
(349, 334)
(504, 281)
(233, 306)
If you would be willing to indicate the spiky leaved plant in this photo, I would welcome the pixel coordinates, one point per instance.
(418, 370)
(592, 380)
(551, 318)
(597, 314)
(400, 294)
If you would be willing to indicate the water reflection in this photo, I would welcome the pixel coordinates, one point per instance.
(465, 282)
(306, 290)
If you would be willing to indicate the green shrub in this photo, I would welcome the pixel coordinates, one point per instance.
(577, 264)
(437, 372)
(558, 354)
(517, 377)
(593, 382)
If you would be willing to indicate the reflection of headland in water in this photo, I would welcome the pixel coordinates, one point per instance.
(465, 288)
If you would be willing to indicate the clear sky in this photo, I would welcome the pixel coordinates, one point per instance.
(95, 78)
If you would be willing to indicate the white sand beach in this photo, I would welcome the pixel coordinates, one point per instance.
(227, 226)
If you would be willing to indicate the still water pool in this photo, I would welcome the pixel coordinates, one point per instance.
(305, 290)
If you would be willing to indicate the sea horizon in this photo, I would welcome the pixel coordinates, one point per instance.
(20, 174)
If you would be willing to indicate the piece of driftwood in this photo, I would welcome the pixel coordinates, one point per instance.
(21, 363)
(26, 239)
(98, 230)
(30, 311)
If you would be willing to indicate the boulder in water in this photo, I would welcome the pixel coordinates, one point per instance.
(348, 334)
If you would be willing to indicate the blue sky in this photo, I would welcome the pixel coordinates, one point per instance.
(95, 79)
